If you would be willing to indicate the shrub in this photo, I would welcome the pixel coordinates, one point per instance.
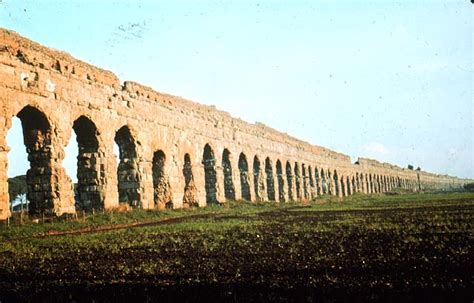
(469, 187)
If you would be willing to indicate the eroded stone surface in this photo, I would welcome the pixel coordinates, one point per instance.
(173, 152)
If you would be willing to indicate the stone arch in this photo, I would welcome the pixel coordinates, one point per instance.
(229, 189)
(317, 180)
(127, 172)
(37, 137)
(90, 184)
(297, 181)
(161, 185)
(324, 183)
(362, 185)
(337, 184)
(343, 188)
(331, 185)
(305, 181)
(289, 177)
(369, 183)
(348, 186)
(190, 197)
(379, 184)
(375, 183)
(270, 180)
(355, 184)
(312, 188)
(258, 180)
(210, 174)
(358, 184)
(244, 177)
(281, 182)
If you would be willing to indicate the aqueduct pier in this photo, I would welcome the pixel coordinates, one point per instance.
(173, 152)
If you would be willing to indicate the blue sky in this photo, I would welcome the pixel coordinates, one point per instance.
(380, 79)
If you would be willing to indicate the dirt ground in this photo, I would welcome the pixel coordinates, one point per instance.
(408, 251)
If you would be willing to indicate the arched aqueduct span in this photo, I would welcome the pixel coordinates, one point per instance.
(173, 152)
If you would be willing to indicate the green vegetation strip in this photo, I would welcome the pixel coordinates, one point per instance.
(391, 242)
(106, 221)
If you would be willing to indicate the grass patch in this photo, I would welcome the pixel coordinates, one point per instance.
(368, 246)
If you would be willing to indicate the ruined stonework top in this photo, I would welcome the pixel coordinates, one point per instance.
(34, 54)
(41, 57)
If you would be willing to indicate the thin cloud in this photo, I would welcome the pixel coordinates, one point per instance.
(374, 148)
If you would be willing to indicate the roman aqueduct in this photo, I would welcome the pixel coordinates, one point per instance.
(173, 152)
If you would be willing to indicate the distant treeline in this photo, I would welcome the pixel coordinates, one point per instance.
(17, 186)
(469, 187)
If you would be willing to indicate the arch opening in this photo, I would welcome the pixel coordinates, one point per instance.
(229, 189)
(324, 183)
(162, 194)
(244, 177)
(317, 182)
(330, 183)
(289, 177)
(355, 185)
(305, 182)
(337, 189)
(210, 174)
(343, 189)
(88, 191)
(190, 191)
(16, 174)
(297, 181)
(127, 170)
(364, 182)
(270, 180)
(258, 180)
(281, 184)
(371, 183)
(348, 186)
(312, 189)
(37, 138)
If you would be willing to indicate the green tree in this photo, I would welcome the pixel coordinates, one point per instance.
(17, 186)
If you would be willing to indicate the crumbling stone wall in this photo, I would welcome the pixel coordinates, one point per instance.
(173, 152)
